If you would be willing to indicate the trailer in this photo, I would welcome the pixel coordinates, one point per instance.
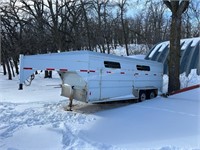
(94, 77)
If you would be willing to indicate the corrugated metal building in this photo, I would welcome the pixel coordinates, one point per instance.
(190, 55)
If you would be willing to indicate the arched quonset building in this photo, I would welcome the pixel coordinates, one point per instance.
(190, 55)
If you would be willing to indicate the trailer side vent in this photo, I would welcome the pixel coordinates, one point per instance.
(111, 64)
(143, 68)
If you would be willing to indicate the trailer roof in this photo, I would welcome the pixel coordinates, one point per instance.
(92, 53)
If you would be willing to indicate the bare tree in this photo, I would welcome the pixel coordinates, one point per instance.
(42, 26)
(194, 15)
(177, 8)
(122, 8)
(75, 21)
(98, 7)
(87, 7)
(186, 26)
(154, 22)
(11, 25)
(0, 39)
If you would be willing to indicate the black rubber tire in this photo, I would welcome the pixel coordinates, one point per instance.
(142, 96)
(152, 95)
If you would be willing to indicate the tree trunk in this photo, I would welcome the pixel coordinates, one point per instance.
(108, 47)
(16, 67)
(8, 69)
(11, 67)
(86, 25)
(46, 74)
(174, 54)
(177, 8)
(4, 67)
(125, 34)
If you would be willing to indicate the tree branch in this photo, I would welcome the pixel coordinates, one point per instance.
(168, 4)
(183, 6)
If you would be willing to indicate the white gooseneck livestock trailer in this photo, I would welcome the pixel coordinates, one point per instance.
(95, 77)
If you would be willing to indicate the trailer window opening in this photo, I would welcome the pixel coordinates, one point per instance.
(143, 68)
(111, 64)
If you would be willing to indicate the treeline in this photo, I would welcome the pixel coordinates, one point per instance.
(44, 26)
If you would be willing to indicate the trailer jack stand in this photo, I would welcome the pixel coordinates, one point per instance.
(70, 104)
(71, 97)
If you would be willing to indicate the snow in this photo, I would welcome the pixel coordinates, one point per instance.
(164, 44)
(134, 49)
(160, 47)
(195, 41)
(35, 119)
(188, 41)
(186, 81)
(154, 50)
(37, 135)
(137, 56)
(151, 124)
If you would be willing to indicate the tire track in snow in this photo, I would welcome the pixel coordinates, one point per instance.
(18, 116)
(74, 140)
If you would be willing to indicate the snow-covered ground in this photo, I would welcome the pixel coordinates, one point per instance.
(35, 119)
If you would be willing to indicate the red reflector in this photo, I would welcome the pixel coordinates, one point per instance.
(87, 71)
(26, 68)
(63, 70)
(50, 69)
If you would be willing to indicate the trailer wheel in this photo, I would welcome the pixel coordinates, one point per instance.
(152, 95)
(142, 96)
